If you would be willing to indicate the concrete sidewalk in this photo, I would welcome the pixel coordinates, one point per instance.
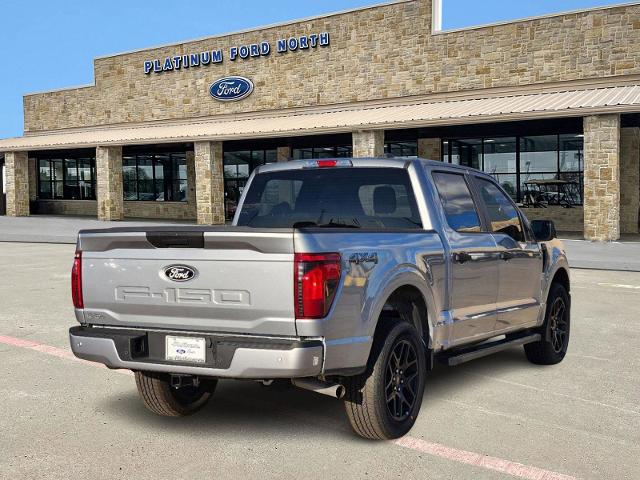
(623, 256)
(62, 229)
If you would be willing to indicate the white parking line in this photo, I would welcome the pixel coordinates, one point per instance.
(478, 460)
(435, 449)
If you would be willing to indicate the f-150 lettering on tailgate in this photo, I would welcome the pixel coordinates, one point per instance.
(182, 296)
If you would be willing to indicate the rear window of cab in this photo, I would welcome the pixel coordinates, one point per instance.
(373, 198)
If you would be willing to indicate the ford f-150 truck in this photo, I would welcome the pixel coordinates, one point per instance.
(349, 277)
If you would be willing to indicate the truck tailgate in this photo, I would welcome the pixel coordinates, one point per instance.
(241, 279)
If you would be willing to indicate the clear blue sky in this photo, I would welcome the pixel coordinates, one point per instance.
(48, 44)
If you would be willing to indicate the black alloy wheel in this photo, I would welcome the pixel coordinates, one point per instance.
(401, 380)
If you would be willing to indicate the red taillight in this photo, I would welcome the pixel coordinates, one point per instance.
(76, 281)
(326, 163)
(316, 277)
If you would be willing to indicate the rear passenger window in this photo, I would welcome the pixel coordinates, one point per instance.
(457, 202)
(503, 215)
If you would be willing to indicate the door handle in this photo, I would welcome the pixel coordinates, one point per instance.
(506, 256)
(462, 257)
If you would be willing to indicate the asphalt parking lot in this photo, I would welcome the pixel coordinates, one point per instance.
(498, 417)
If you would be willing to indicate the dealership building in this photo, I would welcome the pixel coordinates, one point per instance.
(549, 105)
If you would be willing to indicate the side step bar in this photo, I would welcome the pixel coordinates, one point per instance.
(482, 350)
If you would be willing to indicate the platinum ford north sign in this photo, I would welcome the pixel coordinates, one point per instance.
(243, 52)
(231, 89)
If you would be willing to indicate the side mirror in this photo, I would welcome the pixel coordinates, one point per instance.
(543, 230)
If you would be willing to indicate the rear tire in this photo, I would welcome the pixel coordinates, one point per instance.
(384, 403)
(552, 348)
(161, 398)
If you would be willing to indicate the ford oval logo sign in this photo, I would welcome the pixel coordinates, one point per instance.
(179, 273)
(231, 89)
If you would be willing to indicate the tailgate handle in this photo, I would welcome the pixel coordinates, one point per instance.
(176, 239)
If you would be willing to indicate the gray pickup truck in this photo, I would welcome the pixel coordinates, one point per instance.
(348, 277)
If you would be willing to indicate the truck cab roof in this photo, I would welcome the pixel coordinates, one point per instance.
(369, 162)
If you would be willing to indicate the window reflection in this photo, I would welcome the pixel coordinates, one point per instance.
(401, 149)
(536, 170)
(152, 177)
(238, 166)
(66, 178)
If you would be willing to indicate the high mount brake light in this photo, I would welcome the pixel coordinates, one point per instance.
(328, 163)
(316, 277)
(76, 281)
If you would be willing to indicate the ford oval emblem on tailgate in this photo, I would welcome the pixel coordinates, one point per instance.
(229, 89)
(179, 273)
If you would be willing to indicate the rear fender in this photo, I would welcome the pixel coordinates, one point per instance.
(403, 276)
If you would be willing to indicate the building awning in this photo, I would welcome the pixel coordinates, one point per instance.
(577, 102)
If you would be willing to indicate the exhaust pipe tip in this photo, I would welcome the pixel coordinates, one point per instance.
(334, 390)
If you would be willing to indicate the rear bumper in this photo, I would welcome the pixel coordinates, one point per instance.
(227, 356)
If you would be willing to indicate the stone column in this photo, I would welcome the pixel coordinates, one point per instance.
(33, 179)
(602, 177)
(430, 148)
(368, 143)
(191, 183)
(209, 183)
(16, 165)
(109, 183)
(629, 179)
(283, 154)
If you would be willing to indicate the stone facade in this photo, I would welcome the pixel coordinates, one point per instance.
(368, 143)
(79, 208)
(629, 179)
(283, 154)
(33, 180)
(430, 148)
(376, 53)
(602, 177)
(209, 183)
(109, 183)
(17, 175)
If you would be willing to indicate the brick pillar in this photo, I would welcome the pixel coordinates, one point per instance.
(109, 183)
(368, 143)
(629, 179)
(602, 177)
(209, 183)
(16, 166)
(283, 154)
(430, 148)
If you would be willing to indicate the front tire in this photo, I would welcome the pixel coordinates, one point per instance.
(161, 398)
(552, 348)
(384, 403)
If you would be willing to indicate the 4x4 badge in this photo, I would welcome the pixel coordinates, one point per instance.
(359, 258)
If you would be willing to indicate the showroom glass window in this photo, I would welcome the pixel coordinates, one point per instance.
(532, 169)
(155, 177)
(310, 153)
(67, 177)
(238, 165)
(401, 149)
